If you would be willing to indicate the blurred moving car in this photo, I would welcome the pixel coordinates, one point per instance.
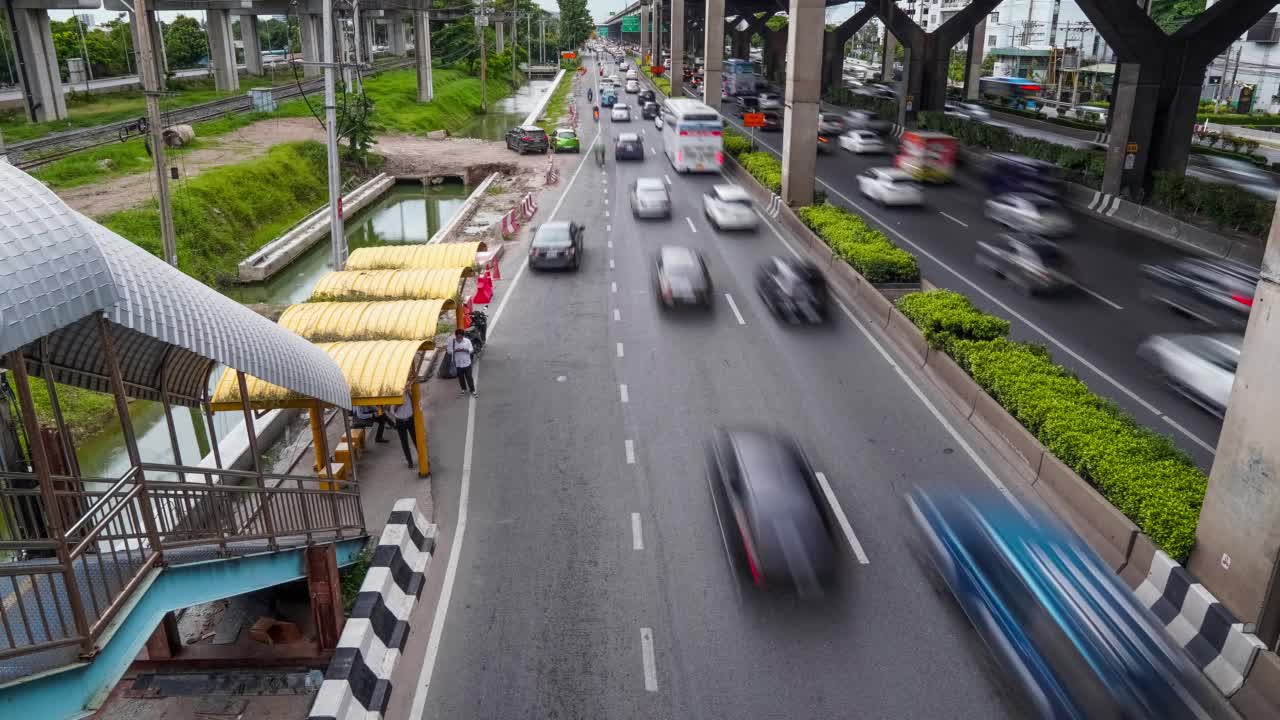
(620, 113)
(769, 101)
(650, 198)
(628, 146)
(649, 110)
(1201, 367)
(567, 140)
(862, 142)
(646, 96)
(772, 120)
(772, 512)
(826, 144)
(890, 186)
(1032, 263)
(556, 245)
(728, 207)
(1011, 173)
(794, 290)
(682, 277)
(968, 111)
(1217, 292)
(608, 96)
(633, 86)
(746, 104)
(1025, 212)
(1060, 622)
(866, 120)
(527, 138)
(831, 124)
(1239, 173)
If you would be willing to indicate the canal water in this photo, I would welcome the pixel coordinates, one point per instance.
(506, 113)
(409, 213)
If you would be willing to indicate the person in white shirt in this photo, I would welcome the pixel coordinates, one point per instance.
(460, 349)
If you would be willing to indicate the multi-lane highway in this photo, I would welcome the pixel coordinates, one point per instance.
(1095, 332)
(586, 576)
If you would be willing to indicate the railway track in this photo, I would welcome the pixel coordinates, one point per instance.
(34, 153)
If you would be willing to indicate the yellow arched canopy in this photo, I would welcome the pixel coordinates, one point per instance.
(418, 257)
(378, 371)
(346, 285)
(351, 321)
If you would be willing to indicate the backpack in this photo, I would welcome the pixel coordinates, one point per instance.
(447, 370)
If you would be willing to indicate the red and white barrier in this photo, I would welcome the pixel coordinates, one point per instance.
(528, 206)
(510, 224)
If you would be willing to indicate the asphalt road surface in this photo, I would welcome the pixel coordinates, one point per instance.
(1095, 332)
(592, 579)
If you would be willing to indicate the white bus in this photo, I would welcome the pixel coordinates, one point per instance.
(692, 136)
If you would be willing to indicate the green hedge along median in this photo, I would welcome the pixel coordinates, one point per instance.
(1137, 470)
(866, 249)
(1083, 166)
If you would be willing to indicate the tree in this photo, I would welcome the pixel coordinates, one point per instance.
(1173, 14)
(185, 43)
(576, 24)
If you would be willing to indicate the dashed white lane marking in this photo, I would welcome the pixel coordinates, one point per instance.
(844, 521)
(613, 287)
(954, 219)
(608, 228)
(610, 263)
(623, 394)
(665, 177)
(631, 452)
(690, 221)
(606, 213)
(653, 151)
(619, 349)
(734, 307)
(650, 664)
(1100, 297)
(637, 533)
(617, 315)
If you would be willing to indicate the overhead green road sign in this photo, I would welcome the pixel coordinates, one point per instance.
(631, 23)
(602, 30)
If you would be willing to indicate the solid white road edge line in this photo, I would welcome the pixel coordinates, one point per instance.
(637, 532)
(631, 452)
(946, 424)
(650, 664)
(734, 307)
(423, 686)
(843, 520)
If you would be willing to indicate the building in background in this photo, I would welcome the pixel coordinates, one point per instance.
(1247, 76)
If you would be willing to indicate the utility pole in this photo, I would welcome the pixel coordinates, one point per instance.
(542, 50)
(481, 21)
(528, 44)
(151, 88)
(337, 234)
(515, 42)
(84, 49)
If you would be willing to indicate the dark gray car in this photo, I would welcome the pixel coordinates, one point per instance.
(1032, 263)
(1216, 292)
(556, 245)
(773, 515)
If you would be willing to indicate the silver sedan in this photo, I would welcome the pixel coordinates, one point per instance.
(728, 207)
(1201, 367)
(650, 199)
(1024, 212)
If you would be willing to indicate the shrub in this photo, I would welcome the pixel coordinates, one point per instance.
(763, 167)
(1084, 166)
(1137, 470)
(884, 108)
(735, 144)
(947, 316)
(1225, 204)
(866, 249)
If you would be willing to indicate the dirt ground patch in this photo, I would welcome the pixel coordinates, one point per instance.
(408, 156)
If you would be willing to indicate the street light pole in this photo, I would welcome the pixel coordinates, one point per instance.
(337, 233)
(150, 71)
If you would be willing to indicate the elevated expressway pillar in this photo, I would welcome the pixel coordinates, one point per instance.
(38, 76)
(251, 43)
(713, 53)
(222, 50)
(805, 28)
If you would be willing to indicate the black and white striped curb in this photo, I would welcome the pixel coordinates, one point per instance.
(775, 205)
(1105, 203)
(1218, 644)
(358, 681)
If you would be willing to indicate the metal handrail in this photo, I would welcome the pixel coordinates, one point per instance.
(92, 535)
(106, 495)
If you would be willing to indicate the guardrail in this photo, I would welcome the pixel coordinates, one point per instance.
(34, 153)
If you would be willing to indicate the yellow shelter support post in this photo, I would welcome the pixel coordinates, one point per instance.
(317, 435)
(419, 429)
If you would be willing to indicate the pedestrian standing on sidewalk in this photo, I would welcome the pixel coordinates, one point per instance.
(461, 350)
(402, 416)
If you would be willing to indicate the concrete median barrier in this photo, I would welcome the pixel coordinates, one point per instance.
(959, 389)
(1090, 512)
(1259, 697)
(1007, 434)
(907, 336)
(875, 303)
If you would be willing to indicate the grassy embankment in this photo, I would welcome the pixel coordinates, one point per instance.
(85, 110)
(225, 214)
(557, 104)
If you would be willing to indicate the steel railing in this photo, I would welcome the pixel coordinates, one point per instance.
(65, 591)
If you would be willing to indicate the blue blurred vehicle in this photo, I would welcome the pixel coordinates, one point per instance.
(1065, 626)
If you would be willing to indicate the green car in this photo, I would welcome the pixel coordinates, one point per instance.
(566, 140)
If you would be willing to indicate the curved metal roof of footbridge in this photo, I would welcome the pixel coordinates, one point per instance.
(59, 269)
(345, 285)
(349, 321)
(379, 372)
(400, 257)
